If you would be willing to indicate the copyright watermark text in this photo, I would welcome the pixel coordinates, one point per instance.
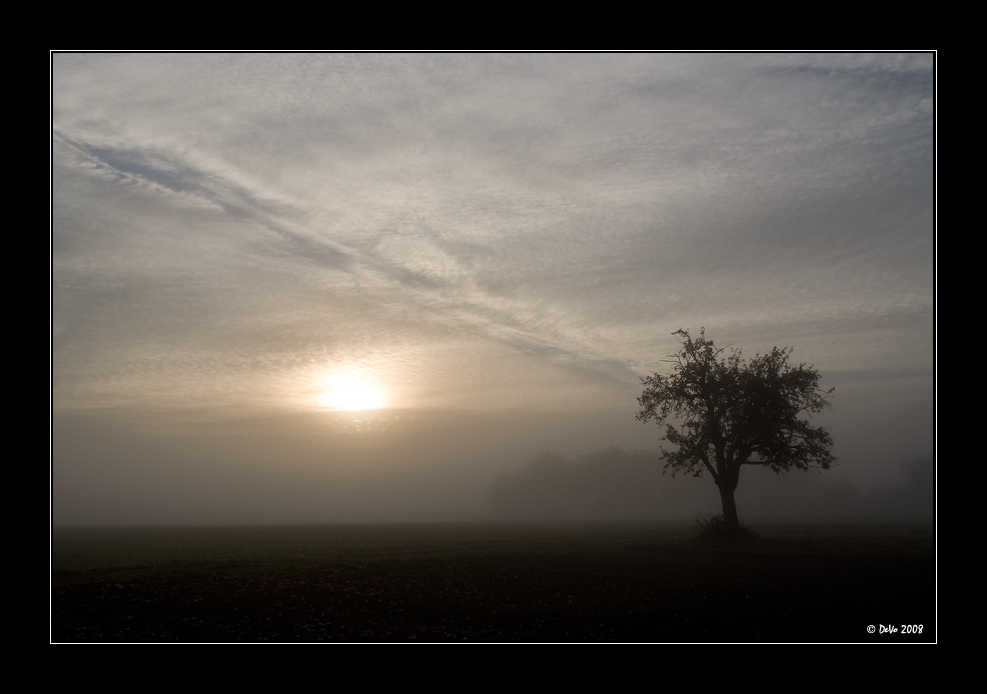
(895, 629)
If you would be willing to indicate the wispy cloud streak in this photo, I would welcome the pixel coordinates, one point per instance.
(552, 211)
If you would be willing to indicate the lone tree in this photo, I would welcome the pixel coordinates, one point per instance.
(723, 413)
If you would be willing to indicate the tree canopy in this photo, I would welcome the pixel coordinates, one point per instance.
(722, 413)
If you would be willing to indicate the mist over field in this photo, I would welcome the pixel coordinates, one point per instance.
(359, 288)
(315, 469)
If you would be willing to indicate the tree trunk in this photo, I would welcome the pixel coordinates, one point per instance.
(730, 521)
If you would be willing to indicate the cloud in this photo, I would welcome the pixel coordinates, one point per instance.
(482, 232)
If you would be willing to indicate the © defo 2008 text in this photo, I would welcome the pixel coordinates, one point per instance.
(903, 629)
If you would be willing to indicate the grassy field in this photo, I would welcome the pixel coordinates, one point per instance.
(493, 583)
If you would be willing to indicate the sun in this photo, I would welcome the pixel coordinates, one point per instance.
(351, 393)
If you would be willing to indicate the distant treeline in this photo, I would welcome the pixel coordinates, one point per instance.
(619, 484)
(612, 483)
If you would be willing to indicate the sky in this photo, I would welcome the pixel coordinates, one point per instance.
(306, 288)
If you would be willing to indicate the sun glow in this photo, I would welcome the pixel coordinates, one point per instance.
(351, 393)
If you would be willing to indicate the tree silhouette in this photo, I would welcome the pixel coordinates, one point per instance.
(723, 413)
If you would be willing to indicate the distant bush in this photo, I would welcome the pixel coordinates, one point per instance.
(713, 529)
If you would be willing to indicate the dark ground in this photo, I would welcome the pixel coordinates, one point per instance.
(581, 584)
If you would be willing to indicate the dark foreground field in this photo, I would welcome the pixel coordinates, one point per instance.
(493, 583)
